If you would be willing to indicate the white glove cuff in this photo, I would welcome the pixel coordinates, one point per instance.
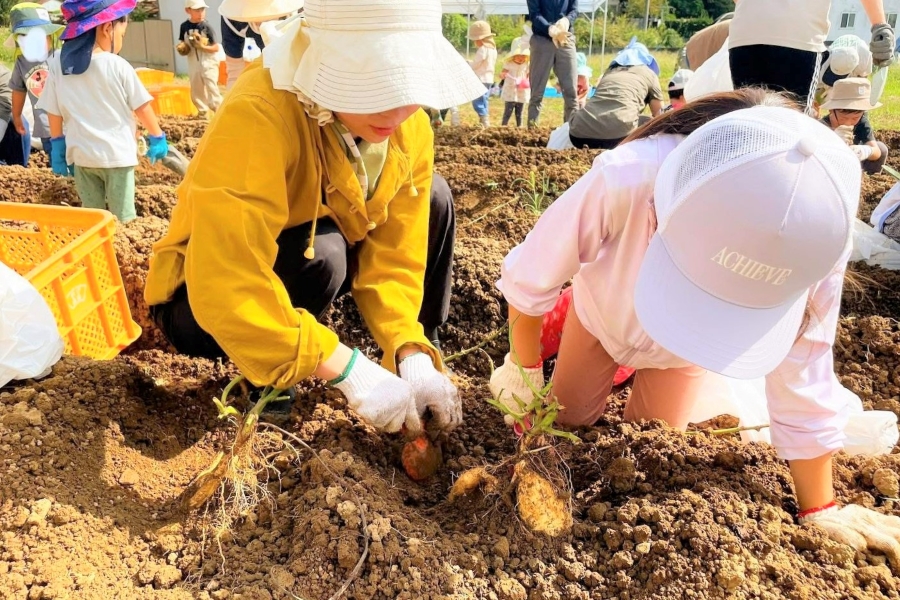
(360, 375)
(417, 367)
(816, 514)
(534, 374)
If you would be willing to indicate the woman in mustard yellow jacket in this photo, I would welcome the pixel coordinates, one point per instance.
(316, 178)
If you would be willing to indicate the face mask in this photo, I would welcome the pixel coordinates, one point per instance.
(34, 45)
(251, 50)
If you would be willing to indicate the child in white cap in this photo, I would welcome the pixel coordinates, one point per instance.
(315, 179)
(723, 251)
(483, 64)
(516, 87)
(676, 89)
(199, 41)
(848, 106)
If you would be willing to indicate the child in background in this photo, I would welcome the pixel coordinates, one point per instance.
(516, 87)
(97, 94)
(203, 65)
(32, 32)
(676, 89)
(483, 64)
(583, 82)
(848, 103)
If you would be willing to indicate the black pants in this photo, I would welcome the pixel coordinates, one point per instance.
(508, 111)
(774, 67)
(873, 167)
(315, 284)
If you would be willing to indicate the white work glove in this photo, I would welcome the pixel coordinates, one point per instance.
(381, 398)
(862, 152)
(882, 45)
(861, 528)
(433, 390)
(507, 381)
(845, 132)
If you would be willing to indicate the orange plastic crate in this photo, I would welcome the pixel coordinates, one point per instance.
(67, 254)
(153, 77)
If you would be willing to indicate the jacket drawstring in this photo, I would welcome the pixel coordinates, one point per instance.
(310, 252)
(413, 190)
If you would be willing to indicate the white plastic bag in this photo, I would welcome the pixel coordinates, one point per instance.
(874, 248)
(559, 138)
(713, 76)
(29, 340)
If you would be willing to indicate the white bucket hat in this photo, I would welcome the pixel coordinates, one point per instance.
(368, 56)
(753, 209)
(255, 11)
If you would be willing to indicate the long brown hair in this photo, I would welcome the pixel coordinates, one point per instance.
(692, 115)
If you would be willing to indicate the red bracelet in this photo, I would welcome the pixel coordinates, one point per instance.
(537, 365)
(818, 509)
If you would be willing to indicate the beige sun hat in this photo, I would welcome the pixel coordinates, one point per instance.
(406, 60)
(254, 11)
(480, 30)
(851, 93)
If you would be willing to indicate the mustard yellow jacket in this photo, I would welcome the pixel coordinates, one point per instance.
(262, 167)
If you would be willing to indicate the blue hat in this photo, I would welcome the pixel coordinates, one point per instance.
(634, 54)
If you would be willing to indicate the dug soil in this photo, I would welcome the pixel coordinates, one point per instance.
(95, 456)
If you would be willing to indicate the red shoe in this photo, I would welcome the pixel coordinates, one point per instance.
(622, 375)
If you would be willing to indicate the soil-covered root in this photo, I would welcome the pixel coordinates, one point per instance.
(543, 491)
(544, 502)
(472, 480)
(235, 483)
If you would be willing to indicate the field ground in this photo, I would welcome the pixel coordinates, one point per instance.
(93, 458)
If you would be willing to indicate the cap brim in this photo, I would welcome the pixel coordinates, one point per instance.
(714, 334)
(852, 106)
(397, 69)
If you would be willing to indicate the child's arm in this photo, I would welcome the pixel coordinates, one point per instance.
(148, 119)
(212, 48)
(18, 103)
(56, 125)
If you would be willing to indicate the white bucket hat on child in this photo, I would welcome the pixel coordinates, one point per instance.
(369, 56)
(754, 208)
(255, 11)
(195, 4)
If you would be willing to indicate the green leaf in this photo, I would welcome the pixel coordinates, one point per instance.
(891, 171)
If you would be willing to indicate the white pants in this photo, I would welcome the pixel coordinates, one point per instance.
(204, 77)
(235, 67)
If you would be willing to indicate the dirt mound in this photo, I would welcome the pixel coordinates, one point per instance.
(179, 128)
(95, 456)
(155, 201)
(36, 186)
(134, 244)
(463, 137)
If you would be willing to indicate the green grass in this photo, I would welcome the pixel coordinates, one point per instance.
(6, 54)
(886, 117)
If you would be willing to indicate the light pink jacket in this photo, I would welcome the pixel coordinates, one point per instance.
(597, 233)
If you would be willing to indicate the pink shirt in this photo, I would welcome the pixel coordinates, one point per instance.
(597, 233)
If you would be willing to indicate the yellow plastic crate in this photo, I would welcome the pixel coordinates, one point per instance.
(67, 254)
(172, 100)
(154, 77)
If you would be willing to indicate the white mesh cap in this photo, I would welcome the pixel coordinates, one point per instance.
(753, 209)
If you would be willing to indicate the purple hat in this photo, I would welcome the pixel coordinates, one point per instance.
(84, 15)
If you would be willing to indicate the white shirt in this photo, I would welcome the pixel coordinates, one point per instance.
(798, 24)
(597, 234)
(97, 108)
(483, 64)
